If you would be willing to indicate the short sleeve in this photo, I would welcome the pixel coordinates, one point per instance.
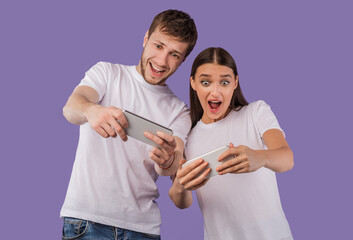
(265, 119)
(182, 124)
(97, 77)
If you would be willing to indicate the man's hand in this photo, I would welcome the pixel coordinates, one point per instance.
(82, 107)
(164, 154)
(105, 121)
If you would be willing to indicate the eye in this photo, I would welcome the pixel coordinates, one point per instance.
(176, 56)
(205, 83)
(224, 83)
(158, 46)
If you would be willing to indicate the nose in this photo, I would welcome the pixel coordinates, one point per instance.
(215, 90)
(162, 59)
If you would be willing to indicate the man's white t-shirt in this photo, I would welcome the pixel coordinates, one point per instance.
(239, 206)
(113, 182)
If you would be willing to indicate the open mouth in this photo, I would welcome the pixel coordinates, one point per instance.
(214, 105)
(156, 71)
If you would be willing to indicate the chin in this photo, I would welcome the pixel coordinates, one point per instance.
(216, 117)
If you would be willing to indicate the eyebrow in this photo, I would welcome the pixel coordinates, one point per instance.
(223, 76)
(226, 75)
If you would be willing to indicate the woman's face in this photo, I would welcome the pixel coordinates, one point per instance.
(214, 85)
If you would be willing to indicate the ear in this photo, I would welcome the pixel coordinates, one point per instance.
(145, 39)
(192, 83)
(236, 82)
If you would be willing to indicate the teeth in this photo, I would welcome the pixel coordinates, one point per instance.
(157, 69)
(215, 101)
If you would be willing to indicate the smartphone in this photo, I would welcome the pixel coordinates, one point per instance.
(212, 159)
(137, 125)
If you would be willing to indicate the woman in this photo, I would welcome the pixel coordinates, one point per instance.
(243, 201)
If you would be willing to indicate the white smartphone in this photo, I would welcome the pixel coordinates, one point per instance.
(212, 159)
(137, 125)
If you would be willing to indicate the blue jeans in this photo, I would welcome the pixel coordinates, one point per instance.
(83, 230)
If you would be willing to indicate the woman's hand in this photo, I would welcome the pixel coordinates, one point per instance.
(186, 179)
(191, 176)
(245, 160)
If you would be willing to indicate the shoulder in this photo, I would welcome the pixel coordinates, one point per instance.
(110, 67)
(255, 107)
(252, 111)
(103, 65)
(258, 105)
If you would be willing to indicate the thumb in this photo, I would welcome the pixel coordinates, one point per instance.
(181, 162)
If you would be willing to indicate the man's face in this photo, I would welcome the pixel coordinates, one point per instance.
(162, 55)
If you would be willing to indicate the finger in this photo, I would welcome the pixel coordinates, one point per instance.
(229, 152)
(181, 162)
(244, 170)
(153, 138)
(166, 137)
(201, 184)
(102, 132)
(118, 114)
(160, 142)
(156, 158)
(225, 154)
(243, 167)
(163, 156)
(160, 153)
(108, 129)
(194, 173)
(194, 183)
(188, 168)
(232, 162)
(119, 129)
(205, 173)
(231, 145)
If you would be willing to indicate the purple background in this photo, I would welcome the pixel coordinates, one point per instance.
(295, 55)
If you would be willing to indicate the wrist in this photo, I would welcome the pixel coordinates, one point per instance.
(261, 155)
(87, 108)
(180, 188)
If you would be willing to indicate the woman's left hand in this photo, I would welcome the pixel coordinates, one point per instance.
(245, 160)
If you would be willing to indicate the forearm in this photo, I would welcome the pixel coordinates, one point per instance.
(279, 156)
(181, 198)
(75, 108)
(78, 103)
(278, 160)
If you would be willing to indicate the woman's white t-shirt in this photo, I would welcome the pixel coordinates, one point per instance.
(239, 206)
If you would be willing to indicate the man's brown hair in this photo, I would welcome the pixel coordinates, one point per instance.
(177, 24)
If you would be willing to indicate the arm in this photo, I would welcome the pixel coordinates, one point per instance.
(185, 181)
(278, 157)
(80, 100)
(82, 107)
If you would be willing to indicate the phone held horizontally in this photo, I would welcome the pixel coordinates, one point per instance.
(212, 159)
(137, 125)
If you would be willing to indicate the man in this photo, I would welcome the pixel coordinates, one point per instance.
(112, 189)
